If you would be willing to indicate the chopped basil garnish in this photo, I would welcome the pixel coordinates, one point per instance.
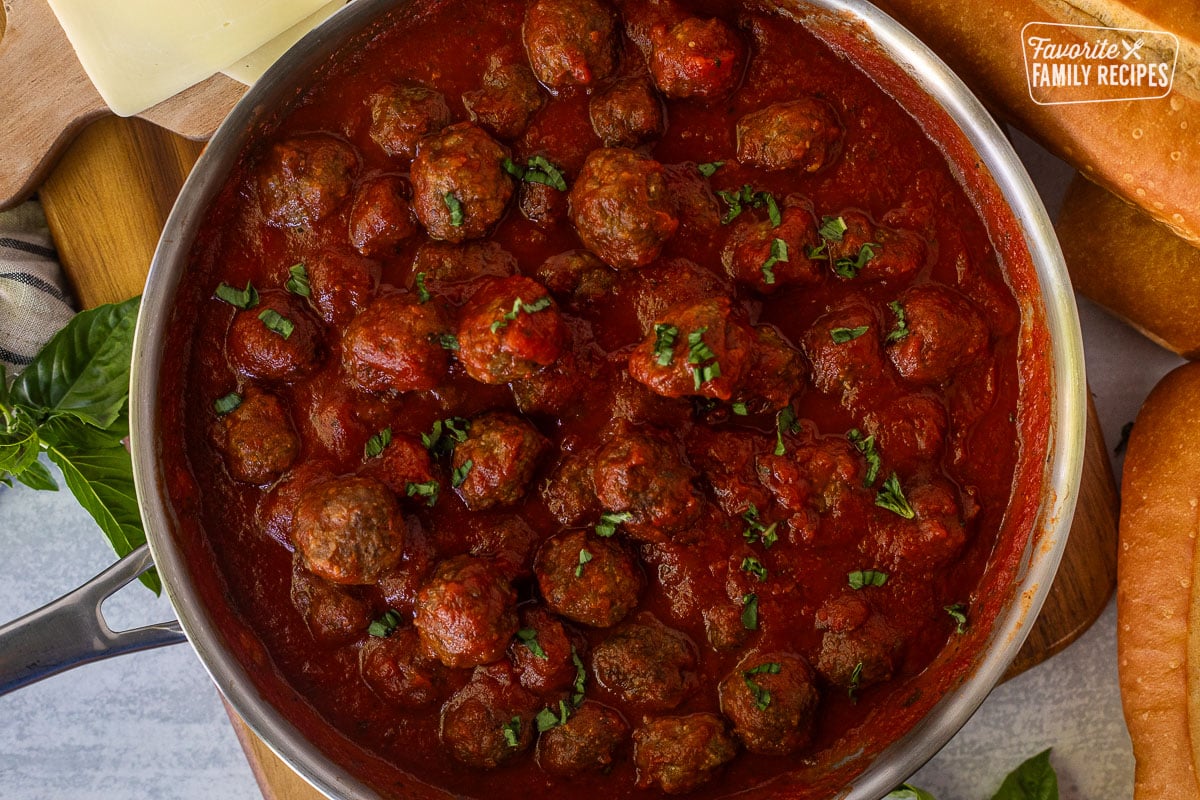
(891, 497)
(747, 196)
(750, 611)
(664, 343)
(756, 531)
(547, 719)
(459, 476)
(528, 637)
(423, 295)
(849, 267)
(762, 697)
(223, 405)
(785, 422)
(855, 679)
(385, 625)
(448, 341)
(958, 612)
(512, 732)
(709, 169)
(428, 490)
(245, 299)
(843, 335)
(901, 329)
(754, 567)
(580, 684)
(861, 578)
(584, 557)
(609, 522)
(455, 207)
(377, 443)
(779, 252)
(445, 434)
(297, 284)
(518, 306)
(866, 446)
(739, 408)
(276, 322)
(539, 170)
(832, 229)
(705, 366)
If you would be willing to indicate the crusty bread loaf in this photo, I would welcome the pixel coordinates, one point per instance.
(1147, 151)
(1158, 601)
(1132, 266)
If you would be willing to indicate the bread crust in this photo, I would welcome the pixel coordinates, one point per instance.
(1158, 611)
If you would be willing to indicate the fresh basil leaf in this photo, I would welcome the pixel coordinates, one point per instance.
(1035, 779)
(297, 283)
(709, 169)
(83, 371)
(36, 476)
(455, 207)
(19, 443)
(244, 299)
(908, 792)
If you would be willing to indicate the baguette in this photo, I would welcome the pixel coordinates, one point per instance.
(1146, 151)
(1158, 602)
(1132, 266)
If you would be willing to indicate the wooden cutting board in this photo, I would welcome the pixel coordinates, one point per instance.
(106, 203)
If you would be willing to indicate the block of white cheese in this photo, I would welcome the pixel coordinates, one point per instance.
(140, 52)
(250, 67)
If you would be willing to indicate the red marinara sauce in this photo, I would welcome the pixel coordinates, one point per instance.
(622, 397)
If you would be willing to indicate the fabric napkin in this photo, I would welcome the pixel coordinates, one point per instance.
(34, 300)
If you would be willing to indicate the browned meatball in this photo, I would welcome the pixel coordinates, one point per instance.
(772, 701)
(701, 349)
(843, 348)
(945, 333)
(727, 460)
(576, 274)
(859, 648)
(695, 204)
(510, 329)
(681, 753)
(627, 113)
(276, 340)
(586, 743)
(508, 100)
(460, 189)
(816, 473)
(401, 115)
(257, 439)
(909, 429)
(568, 492)
(775, 374)
(381, 217)
(303, 180)
(697, 58)
(643, 477)
(341, 285)
(587, 579)
(544, 206)
(495, 463)
(466, 613)
(766, 257)
(541, 654)
(802, 134)
(655, 289)
(349, 530)
(646, 664)
(570, 42)
(404, 461)
(489, 721)
(621, 208)
(556, 390)
(872, 252)
(332, 616)
(394, 344)
(931, 537)
(398, 669)
(507, 540)
(444, 263)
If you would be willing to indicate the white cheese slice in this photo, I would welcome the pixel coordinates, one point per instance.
(140, 52)
(251, 67)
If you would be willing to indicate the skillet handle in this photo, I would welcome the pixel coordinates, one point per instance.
(71, 630)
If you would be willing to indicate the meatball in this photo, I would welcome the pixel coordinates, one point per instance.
(844, 351)
(775, 374)
(646, 664)
(398, 669)
(945, 333)
(802, 134)
(349, 530)
(697, 58)
(509, 541)
(727, 459)
(627, 113)
(642, 477)
(585, 743)
(508, 100)
(276, 340)
(570, 42)
(544, 206)
(403, 461)
(305, 179)
(772, 702)
(495, 463)
(587, 579)
(257, 439)
(817, 473)
(460, 189)
(695, 204)
(700, 349)
(621, 208)
(655, 289)
(576, 274)
(401, 115)
(332, 616)
(443, 263)
(768, 257)
(873, 252)
(931, 537)
(341, 285)
(681, 753)
(910, 429)
(859, 647)
(489, 721)
(510, 329)
(542, 654)
(555, 390)
(381, 217)
(394, 345)
(568, 492)
(466, 612)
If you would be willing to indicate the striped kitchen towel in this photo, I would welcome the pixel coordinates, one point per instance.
(34, 303)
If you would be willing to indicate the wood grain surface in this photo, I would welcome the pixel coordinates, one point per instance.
(106, 202)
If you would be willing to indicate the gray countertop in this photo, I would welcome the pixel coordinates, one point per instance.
(151, 725)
